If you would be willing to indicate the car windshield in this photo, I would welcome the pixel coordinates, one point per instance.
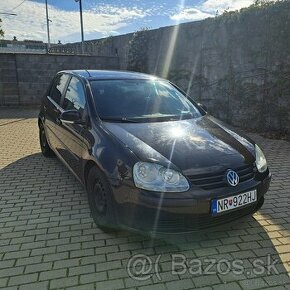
(141, 101)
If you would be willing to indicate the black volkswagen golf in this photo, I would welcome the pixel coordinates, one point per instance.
(150, 158)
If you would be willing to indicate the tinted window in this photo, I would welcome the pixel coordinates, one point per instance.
(75, 96)
(58, 87)
(141, 99)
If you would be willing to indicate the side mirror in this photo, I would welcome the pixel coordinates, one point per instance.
(71, 117)
(204, 107)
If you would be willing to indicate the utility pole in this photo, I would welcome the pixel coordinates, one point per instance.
(82, 25)
(47, 26)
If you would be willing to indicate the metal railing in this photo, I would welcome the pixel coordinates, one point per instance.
(22, 47)
(95, 48)
(89, 48)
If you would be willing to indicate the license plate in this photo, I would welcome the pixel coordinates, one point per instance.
(232, 202)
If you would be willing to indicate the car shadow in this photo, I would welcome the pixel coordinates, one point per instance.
(43, 194)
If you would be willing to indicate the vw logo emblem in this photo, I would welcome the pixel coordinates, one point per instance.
(232, 177)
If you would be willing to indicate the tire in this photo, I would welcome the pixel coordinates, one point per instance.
(260, 204)
(100, 200)
(44, 146)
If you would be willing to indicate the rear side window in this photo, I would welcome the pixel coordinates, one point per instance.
(75, 96)
(58, 87)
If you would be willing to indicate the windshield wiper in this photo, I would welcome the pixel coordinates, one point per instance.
(118, 119)
(186, 115)
(147, 118)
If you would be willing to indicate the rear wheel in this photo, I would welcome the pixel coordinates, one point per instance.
(100, 200)
(44, 146)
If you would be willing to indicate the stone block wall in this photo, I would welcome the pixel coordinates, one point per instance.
(237, 64)
(24, 78)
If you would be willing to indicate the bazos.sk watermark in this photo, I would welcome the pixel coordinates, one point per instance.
(142, 267)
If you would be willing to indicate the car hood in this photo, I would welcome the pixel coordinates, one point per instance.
(193, 146)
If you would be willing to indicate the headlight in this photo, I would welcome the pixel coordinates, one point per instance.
(154, 177)
(261, 162)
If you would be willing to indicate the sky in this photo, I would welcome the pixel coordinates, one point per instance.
(103, 18)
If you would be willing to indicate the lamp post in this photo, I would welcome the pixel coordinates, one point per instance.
(47, 26)
(82, 25)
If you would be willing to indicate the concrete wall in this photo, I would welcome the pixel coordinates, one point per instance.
(237, 64)
(24, 77)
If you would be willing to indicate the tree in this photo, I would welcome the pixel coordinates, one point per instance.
(262, 2)
(1, 31)
(138, 51)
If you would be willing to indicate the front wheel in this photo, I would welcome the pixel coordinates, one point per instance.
(100, 200)
(44, 146)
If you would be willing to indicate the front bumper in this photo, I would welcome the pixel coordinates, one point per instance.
(153, 212)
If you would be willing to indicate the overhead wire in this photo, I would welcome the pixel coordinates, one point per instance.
(17, 5)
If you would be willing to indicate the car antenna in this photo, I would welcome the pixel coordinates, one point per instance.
(88, 73)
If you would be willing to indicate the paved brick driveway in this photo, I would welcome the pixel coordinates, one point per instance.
(49, 241)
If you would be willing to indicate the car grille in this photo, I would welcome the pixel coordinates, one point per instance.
(203, 221)
(217, 179)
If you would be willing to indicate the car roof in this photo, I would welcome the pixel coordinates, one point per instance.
(108, 74)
